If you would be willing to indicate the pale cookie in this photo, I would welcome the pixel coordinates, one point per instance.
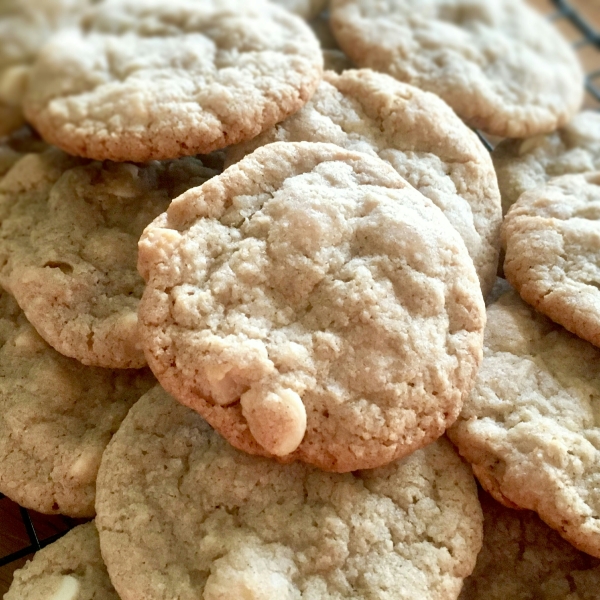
(68, 247)
(155, 80)
(525, 164)
(499, 64)
(416, 133)
(312, 305)
(68, 569)
(56, 417)
(307, 9)
(552, 241)
(25, 26)
(530, 427)
(523, 559)
(182, 514)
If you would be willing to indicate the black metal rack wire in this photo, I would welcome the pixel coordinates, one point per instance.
(564, 11)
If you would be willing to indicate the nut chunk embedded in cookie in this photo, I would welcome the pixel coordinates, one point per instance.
(156, 80)
(312, 305)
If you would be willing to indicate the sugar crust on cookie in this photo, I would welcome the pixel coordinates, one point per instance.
(182, 514)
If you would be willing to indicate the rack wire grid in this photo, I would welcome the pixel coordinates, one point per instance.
(41, 530)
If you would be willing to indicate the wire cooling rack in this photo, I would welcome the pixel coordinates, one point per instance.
(37, 531)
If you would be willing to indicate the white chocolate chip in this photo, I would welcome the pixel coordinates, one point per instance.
(68, 590)
(531, 144)
(276, 420)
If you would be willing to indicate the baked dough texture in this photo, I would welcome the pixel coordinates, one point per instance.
(68, 247)
(525, 164)
(500, 65)
(68, 569)
(420, 136)
(530, 426)
(25, 26)
(157, 80)
(523, 559)
(552, 240)
(182, 514)
(312, 305)
(56, 417)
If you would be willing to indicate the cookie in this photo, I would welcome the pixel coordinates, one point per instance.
(68, 569)
(552, 252)
(182, 514)
(307, 9)
(157, 80)
(500, 65)
(25, 26)
(312, 305)
(56, 417)
(68, 247)
(525, 164)
(523, 559)
(529, 427)
(420, 136)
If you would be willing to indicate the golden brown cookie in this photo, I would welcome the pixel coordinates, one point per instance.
(157, 80)
(525, 164)
(68, 569)
(499, 64)
(523, 559)
(530, 426)
(56, 417)
(312, 305)
(420, 136)
(552, 240)
(68, 247)
(182, 514)
(25, 26)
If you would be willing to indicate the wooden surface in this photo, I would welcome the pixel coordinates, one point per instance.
(13, 535)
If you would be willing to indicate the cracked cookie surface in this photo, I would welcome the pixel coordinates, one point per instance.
(157, 80)
(551, 236)
(525, 164)
(530, 426)
(310, 297)
(68, 569)
(182, 514)
(416, 133)
(500, 65)
(56, 417)
(68, 247)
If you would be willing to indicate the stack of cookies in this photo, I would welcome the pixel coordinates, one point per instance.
(243, 301)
